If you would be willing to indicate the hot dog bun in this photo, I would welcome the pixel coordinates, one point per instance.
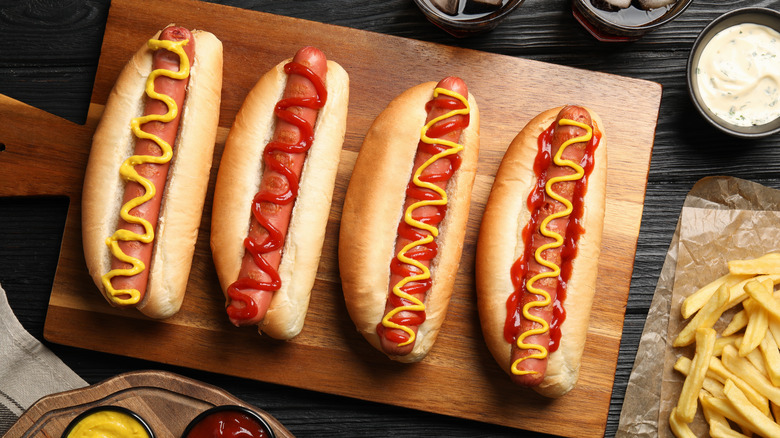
(373, 208)
(239, 177)
(500, 244)
(185, 191)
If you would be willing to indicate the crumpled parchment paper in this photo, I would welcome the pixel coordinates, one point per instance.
(722, 219)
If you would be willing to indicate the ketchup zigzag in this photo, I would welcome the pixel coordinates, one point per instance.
(128, 172)
(275, 240)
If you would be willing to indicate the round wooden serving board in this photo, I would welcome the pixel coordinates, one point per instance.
(167, 401)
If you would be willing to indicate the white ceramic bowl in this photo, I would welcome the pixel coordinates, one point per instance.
(766, 17)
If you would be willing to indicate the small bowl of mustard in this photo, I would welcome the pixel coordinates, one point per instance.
(734, 73)
(108, 421)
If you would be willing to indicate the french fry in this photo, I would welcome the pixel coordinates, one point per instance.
(754, 356)
(723, 430)
(735, 376)
(761, 292)
(721, 374)
(704, 318)
(726, 409)
(761, 424)
(737, 293)
(705, 343)
(683, 364)
(696, 300)
(719, 425)
(679, 427)
(747, 372)
(774, 328)
(713, 386)
(723, 341)
(757, 360)
(738, 322)
(747, 431)
(758, 323)
(771, 354)
(766, 264)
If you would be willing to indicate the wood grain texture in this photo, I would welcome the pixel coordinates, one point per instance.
(345, 364)
(48, 58)
(167, 402)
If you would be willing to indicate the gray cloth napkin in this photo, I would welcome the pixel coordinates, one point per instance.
(28, 370)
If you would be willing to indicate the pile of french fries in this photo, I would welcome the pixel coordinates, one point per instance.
(734, 375)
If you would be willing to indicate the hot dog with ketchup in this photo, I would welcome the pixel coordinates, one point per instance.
(538, 248)
(274, 189)
(148, 169)
(404, 216)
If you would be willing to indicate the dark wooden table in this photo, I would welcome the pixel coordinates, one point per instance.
(48, 55)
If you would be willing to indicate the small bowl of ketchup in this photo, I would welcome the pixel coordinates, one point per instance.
(228, 421)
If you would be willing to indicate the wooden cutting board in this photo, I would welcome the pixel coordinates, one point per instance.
(166, 401)
(329, 355)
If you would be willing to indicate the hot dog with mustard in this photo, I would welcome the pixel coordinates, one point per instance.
(538, 248)
(148, 169)
(405, 214)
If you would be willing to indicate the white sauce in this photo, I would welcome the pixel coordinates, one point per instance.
(739, 74)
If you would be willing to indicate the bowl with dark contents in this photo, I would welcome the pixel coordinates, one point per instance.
(463, 18)
(734, 73)
(625, 20)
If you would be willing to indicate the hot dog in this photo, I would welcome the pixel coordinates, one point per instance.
(538, 248)
(404, 216)
(148, 171)
(274, 189)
